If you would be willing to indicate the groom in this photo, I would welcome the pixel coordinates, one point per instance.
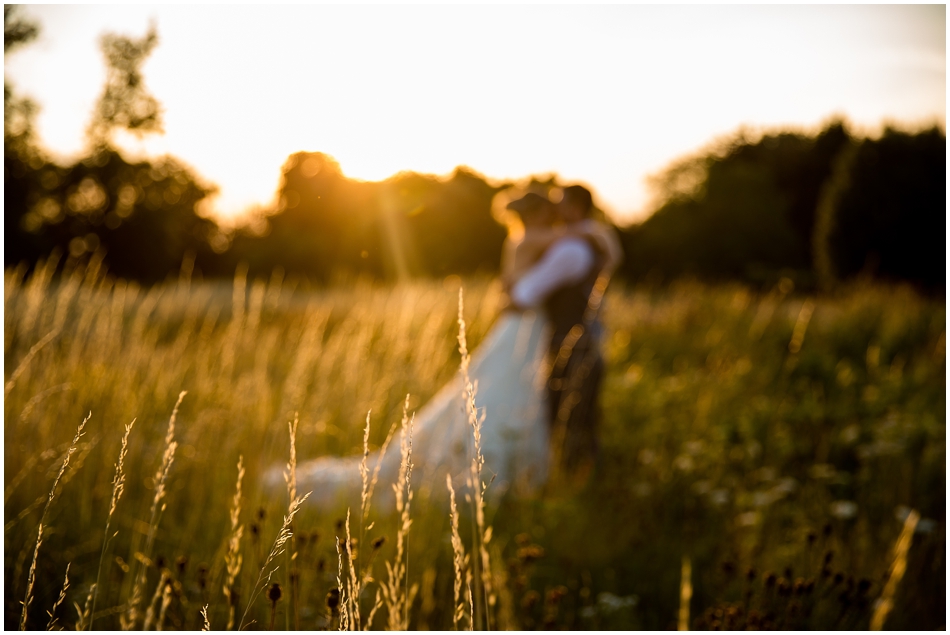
(566, 282)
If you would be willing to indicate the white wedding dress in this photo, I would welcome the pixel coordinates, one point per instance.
(514, 433)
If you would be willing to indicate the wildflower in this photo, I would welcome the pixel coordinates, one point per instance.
(530, 553)
(202, 575)
(333, 600)
(844, 509)
(530, 599)
(181, 563)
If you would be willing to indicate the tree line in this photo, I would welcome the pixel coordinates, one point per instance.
(819, 208)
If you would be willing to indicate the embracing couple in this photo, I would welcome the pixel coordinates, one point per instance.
(561, 265)
(538, 370)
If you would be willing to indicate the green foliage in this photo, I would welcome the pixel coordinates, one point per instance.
(16, 32)
(720, 444)
(745, 210)
(886, 213)
(125, 104)
(818, 209)
(408, 225)
(143, 215)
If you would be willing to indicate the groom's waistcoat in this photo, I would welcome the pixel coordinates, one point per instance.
(565, 306)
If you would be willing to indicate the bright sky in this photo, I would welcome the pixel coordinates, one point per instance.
(604, 95)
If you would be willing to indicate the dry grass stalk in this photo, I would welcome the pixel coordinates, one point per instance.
(376, 604)
(59, 600)
(801, 325)
(368, 485)
(365, 494)
(283, 536)
(118, 488)
(166, 602)
(471, 604)
(886, 602)
(459, 560)
(233, 558)
(81, 451)
(394, 590)
(25, 362)
(686, 593)
(84, 615)
(364, 476)
(25, 471)
(129, 620)
(206, 625)
(344, 614)
(156, 597)
(290, 477)
(353, 586)
(482, 534)
(31, 579)
(31, 405)
(379, 463)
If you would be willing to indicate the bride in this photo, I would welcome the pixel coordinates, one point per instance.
(509, 375)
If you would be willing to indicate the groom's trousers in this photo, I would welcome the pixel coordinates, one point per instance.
(572, 392)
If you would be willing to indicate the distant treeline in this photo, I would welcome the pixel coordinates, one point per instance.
(816, 208)
(819, 209)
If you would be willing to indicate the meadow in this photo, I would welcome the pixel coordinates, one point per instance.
(771, 460)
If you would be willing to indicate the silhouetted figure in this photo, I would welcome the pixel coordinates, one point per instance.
(567, 283)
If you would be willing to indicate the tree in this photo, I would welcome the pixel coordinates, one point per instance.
(24, 165)
(884, 213)
(142, 216)
(16, 31)
(743, 209)
(125, 103)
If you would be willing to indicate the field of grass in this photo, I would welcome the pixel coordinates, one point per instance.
(770, 446)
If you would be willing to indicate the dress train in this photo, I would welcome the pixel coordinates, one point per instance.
(514, 433)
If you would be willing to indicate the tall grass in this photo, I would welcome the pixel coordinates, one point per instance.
(778, 440)
(39, 531)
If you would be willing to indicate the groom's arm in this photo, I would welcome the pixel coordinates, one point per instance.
(565, 262)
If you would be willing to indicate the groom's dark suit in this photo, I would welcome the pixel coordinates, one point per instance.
(561, 283)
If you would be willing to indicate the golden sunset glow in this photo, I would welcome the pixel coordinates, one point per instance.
(601, 95)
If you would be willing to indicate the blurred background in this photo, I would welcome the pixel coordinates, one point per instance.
(273, 209)
(744, 143)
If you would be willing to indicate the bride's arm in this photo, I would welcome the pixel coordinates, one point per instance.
(537, 239)
(518, 256)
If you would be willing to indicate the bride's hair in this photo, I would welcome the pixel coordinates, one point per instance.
(513, 205)
(529, 206)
